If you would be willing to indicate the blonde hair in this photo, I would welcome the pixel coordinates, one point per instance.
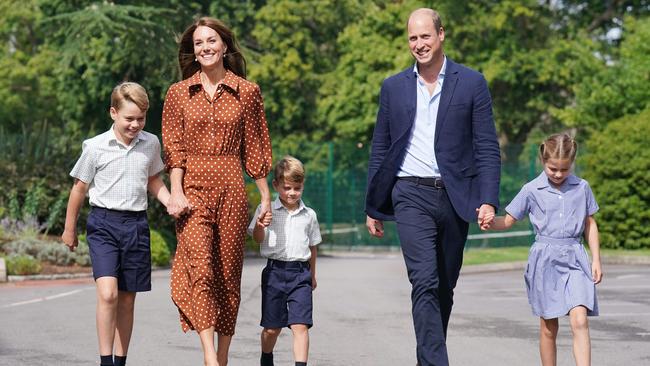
(132, 92)
(559, 146)
(289, 169)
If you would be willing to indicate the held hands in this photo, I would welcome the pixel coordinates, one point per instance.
(486, 216)
(375, 227)
(69, 238)
(266, 215)
(178, 205)
(264, 220)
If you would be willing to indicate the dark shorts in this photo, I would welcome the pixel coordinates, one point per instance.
(119, 247)
(286, 294)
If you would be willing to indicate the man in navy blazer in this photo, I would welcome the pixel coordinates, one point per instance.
(434, 167)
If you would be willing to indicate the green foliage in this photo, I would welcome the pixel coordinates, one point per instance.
(48, 251)
(22, 264)
(617, 85)
(159, 251)
(618, 169)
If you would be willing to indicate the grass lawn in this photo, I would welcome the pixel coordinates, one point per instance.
(520, 253)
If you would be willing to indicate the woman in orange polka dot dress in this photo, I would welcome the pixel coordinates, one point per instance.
(213, 124)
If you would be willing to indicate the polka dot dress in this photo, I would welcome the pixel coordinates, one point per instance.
(211, 140)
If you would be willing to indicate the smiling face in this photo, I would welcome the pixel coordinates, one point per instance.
(289, 192)
(128, 120)
(557, 170)
(209, 48)
(425, 42)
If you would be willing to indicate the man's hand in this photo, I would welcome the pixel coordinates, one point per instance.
(375, 227)
(485, 216)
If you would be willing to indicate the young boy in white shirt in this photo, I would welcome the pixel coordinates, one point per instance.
(116, 169)
(288, 237)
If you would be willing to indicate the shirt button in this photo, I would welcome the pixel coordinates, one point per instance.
(559, 197)
(560, 215)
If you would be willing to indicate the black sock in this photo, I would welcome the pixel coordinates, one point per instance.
(266, 359)
(301, 363)
(120, 360)
(106, 360)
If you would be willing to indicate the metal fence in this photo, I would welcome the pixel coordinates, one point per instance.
(336, 183)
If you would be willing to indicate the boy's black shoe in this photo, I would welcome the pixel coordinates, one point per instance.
(266, 359)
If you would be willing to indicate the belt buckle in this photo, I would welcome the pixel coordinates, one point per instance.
(437, 183)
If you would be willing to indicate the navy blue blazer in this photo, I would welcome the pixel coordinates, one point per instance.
(466, 145)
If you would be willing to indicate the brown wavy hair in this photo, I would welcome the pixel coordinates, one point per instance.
(233, 60)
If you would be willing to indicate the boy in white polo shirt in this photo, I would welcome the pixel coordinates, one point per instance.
(288, 238)
(116, 169)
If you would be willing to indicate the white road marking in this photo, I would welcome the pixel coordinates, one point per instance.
(46, 298)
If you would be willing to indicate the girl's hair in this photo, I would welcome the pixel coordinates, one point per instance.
(233, 60)
(289, 169)
(559, 146)
(132, 92)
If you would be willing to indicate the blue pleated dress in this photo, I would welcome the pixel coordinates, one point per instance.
(558, 274)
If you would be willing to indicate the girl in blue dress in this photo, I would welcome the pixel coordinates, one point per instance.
(559, 279)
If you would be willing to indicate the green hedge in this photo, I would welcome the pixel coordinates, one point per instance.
(618, 170)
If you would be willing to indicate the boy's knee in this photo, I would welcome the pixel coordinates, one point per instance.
(273, 332)
(299, 328)
(126, 300)
(107, 296)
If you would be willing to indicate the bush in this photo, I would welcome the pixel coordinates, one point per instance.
(159, 250)
(22, 264)
(618, 170)
(48, 251)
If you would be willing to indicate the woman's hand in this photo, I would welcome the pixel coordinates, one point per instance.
(266, 214)
(178, 205)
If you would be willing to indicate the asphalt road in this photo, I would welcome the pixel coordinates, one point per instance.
(361, 314)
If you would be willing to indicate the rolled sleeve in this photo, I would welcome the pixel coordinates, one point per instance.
(256, 150)
(172, 130)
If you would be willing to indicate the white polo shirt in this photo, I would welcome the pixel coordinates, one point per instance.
(117, 174)
(290, 234)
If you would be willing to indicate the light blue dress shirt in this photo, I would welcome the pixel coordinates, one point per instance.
(420, 158)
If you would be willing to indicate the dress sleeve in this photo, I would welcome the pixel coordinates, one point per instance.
(592, 205)
(256, 150)
(520, 205)
(172, 130)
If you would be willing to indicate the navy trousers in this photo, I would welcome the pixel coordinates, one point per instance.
(432, 237)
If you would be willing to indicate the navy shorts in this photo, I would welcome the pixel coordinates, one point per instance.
(119, 247)
(286, 294)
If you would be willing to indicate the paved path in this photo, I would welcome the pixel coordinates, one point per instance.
(362, 315)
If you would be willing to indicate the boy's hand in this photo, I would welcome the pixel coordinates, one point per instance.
(313, 283)
(70, 239)
(596, 272)
(264, 220)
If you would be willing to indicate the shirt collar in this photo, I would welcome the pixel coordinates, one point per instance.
(542, 182)
(277, 205)
(112, 137)
(441, 74)
(230, 80)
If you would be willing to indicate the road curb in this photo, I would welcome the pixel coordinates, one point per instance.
(466, 269)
